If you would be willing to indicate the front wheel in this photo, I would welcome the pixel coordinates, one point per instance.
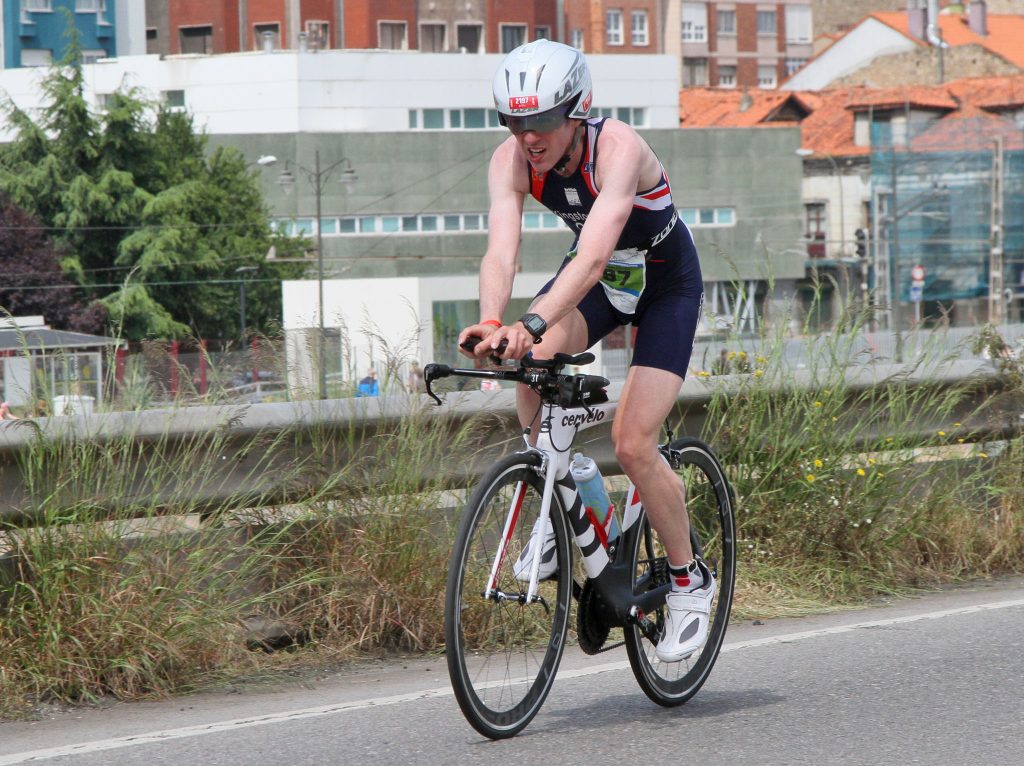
(712, 533)
(502, 652)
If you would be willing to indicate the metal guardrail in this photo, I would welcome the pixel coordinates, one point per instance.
(313, 440)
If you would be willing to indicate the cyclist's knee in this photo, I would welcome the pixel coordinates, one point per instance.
(634, 450)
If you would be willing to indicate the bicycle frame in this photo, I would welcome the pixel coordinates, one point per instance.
(558, 429)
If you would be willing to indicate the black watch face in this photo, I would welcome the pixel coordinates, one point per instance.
(534, 324)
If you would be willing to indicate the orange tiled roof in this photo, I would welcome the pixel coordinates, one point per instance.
(1005, 35)
(828, 125)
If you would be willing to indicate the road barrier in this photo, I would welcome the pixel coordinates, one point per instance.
(264, 454)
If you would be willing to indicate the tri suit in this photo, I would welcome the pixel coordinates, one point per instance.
(653, 279)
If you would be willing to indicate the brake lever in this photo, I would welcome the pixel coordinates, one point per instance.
(431, 373)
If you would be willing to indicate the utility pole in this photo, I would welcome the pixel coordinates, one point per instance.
(997, 307)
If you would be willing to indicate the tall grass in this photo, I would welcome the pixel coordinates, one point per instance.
(836, 502)
(838, 499)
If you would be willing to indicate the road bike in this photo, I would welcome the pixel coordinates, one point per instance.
(505, 631)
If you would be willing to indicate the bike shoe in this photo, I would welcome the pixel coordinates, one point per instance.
(548, 564)
(686, 624)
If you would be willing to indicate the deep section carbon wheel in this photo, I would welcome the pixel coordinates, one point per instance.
(713, 535)
(502, 651)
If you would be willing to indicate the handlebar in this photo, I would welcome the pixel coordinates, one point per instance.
(542, 375)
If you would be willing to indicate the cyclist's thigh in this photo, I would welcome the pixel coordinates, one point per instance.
(665, 330)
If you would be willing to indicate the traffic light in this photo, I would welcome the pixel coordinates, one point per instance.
(861, 236)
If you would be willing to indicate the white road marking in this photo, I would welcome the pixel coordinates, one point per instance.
(133, 740)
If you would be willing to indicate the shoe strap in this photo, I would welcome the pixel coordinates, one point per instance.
(690, 602)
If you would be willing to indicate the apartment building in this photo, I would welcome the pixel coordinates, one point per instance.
(33, 32)
(739, 44)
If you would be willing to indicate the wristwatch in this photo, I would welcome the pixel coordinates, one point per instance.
(535, 325)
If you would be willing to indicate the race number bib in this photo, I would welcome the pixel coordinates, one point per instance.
(624, 278)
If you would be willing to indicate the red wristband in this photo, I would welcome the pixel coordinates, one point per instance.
(494, 322)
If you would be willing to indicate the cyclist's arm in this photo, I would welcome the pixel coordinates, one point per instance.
(508, 184)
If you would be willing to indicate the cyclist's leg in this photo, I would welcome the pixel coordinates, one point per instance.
(647, 398)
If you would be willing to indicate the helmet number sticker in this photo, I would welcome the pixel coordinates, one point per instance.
(522, 103)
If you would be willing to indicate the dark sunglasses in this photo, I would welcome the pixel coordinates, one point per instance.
(542, 122)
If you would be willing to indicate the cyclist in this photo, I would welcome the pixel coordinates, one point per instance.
(632, 261)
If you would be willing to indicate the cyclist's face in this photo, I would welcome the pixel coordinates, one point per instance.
(545, 148)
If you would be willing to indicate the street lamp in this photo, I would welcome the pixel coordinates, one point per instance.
(317, 178)
(242, 271)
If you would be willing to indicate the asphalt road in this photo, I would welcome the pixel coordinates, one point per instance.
(931, 680)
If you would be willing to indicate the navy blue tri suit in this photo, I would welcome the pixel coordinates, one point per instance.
(653, 278)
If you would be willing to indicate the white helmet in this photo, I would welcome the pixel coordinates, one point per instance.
(542, 76)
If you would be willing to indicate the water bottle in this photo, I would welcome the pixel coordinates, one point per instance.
(593, 495)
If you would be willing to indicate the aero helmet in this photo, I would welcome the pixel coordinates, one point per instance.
(542, 76)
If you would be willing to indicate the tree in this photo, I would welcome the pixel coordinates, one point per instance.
(152, 225)
(33, 282)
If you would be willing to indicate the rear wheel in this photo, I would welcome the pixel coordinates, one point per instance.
(502, 652)
(712, 533)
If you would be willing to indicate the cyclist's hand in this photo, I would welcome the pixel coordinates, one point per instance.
(478, 332)
(517, 341)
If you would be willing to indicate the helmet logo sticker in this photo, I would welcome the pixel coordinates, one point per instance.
(522, 103)
(585, 106)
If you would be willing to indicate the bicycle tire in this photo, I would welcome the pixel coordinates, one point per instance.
(713, 534)
(502, 654)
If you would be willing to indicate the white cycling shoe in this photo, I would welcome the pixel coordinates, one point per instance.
(548, 564)
(686, 624)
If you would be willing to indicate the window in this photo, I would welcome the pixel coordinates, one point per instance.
(460, 119)
(576, 39)
(512, 36)
(152, 41)
(468, 37)
(695, 72)
(91, 56)
(727, 76)
(391, 35)
(318, 35)
(792, 65)
(726, 22)
(432, 38)
(695, 23)
(542, 33)
(613, 26)
(814, 228)
(84, 6)
(266, 36)
(36, 5)
(36, 57)
(174, 99)
(196, 39)
(766, 75)
(635, 115)
(798, 24)
(766, 22)
(433, 119)
(708, 216)
(638, 28)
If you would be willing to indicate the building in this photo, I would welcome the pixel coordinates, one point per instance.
(32, 32)
(929, 176)
(740, 44)
(899, 48)
(417, 130)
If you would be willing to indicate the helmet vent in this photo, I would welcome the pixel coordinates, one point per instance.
(540, 73)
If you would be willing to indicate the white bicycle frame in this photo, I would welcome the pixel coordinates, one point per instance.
(558, 429)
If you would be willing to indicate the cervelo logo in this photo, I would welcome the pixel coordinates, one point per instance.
(594, 416)
(522, 103)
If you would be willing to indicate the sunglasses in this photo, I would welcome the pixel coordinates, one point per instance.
(542, 122)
